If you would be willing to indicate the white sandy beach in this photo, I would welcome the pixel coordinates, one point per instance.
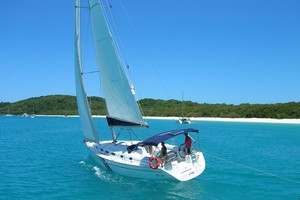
(252, 120)
(209, 119)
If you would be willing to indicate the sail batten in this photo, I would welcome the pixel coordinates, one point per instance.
(89, 131)
(120, 101)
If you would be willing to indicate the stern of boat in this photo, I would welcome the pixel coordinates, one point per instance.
(190, 167)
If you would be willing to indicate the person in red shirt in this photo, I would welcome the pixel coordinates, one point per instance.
(188, 143)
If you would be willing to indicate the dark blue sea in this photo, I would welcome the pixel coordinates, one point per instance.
(45, 158)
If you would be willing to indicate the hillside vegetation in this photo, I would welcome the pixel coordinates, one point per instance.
(63, 104)
(51, 105)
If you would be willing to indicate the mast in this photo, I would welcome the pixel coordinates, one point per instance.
(87, 124)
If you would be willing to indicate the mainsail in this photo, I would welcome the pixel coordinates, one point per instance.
(82, 104)
(122, 107)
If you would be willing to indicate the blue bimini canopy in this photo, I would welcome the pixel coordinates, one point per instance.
(161, 137)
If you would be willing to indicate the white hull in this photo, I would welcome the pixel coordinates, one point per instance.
(115, 158)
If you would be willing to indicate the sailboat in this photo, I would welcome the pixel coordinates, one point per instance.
(131, 158)
(183, 119)
(8, 113)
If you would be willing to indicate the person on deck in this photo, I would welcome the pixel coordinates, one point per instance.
(163, 154)
(188, 143)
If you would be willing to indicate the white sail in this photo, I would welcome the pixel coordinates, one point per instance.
(122, 107)
(82, 103)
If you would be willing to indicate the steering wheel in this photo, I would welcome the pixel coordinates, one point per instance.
(181, 150)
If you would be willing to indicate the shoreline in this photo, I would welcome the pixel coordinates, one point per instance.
(243, 120)
(253, 120)
(207, 119)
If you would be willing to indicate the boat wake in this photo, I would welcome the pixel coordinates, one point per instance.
(174, 190)
(95, 169)
(90, 165)
(111, 178)
(99, 173)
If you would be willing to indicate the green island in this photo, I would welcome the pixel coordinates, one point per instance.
(66, 105)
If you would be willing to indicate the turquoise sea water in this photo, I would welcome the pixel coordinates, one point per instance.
(45, 158)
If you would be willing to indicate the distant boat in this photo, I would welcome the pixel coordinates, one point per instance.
(8, 113)
(33, 114)
(133, 158)
(66, 113)
(183, 119)
(25, 115)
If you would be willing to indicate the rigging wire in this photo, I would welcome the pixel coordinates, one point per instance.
(251, 168)
(144, 47)
(146, 53)
(88, 53)
(116, 33)
(119, 44)
(87, 45)
(130, 131)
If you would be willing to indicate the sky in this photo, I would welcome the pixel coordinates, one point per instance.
(206, 51)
